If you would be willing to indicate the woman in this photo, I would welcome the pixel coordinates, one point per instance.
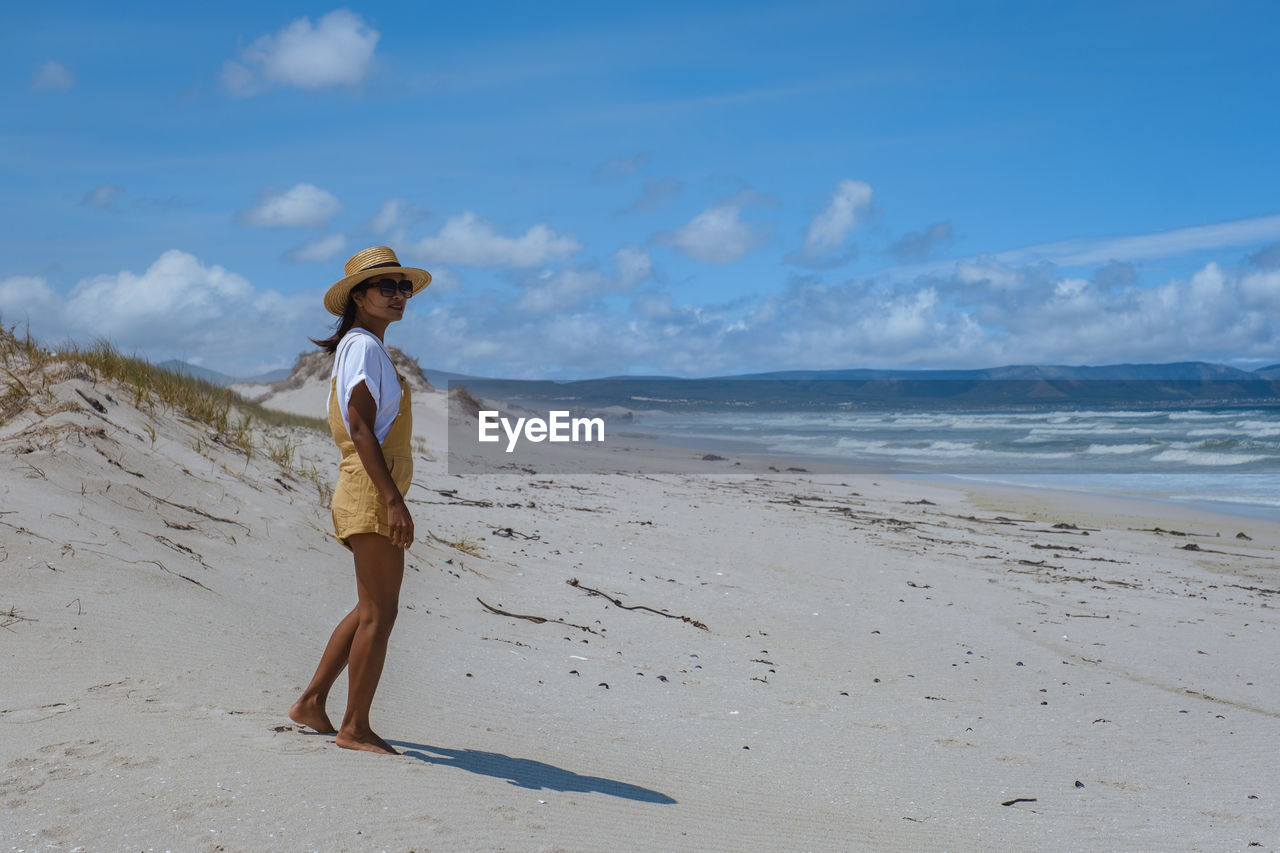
(372, 423)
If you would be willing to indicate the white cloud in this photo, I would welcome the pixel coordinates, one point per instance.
(1112, 255)
(828, 229)
(1160, 244)
(303, 205)
(103, 196)
(320, 250)
(179, 307)
(648, 306)
(443, 279)
(1220, 313)
(634, 266)
(570, 288)
(1261, 290)
(176, 290)
(987, 270)
(561, 290)
(471, 241)
(717, 235)
(338, 50)
(1072, 291)
(52, 77)
(566, 324)
(26, 299)
(392, 217)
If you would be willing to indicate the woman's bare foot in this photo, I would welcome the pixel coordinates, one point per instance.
(366, 741)
(311, 713)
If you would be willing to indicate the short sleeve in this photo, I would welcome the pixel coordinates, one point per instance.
(360, 361)
(362, 358)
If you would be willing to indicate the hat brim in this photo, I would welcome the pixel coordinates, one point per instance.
(335, 300)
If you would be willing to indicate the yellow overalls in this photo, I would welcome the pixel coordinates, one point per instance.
(357, 506)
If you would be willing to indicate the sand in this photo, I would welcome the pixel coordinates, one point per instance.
(885, 664)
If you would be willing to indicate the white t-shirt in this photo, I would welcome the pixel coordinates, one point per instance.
(361, 357)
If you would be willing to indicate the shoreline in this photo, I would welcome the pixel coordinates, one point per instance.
(647, 446)
(1242, 510)
(1107, 508)
(842, 466)
(678, 455)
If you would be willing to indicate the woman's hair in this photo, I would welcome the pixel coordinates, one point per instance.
(330, 344)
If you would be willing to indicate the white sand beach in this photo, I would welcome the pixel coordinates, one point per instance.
(866, 663)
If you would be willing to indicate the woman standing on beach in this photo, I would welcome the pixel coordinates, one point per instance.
(371, 420)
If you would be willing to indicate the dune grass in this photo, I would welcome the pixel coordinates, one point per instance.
(231, 418)
(465, 544)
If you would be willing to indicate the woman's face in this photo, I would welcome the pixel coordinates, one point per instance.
(383, 298)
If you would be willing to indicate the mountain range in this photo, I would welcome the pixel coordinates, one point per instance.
(1182, 371)
(1116, 384)
(184, 368)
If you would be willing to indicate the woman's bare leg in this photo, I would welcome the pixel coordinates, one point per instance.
(379, 572)
(309, 709)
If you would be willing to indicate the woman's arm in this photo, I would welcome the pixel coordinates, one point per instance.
(361, 412)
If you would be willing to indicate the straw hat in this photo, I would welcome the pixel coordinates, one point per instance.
(371, 263)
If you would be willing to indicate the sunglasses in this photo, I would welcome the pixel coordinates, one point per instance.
(388, 287)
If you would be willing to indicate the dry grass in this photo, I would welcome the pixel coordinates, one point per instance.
(324, 488)
(280, 450)
(464, 544)
(233, 420)
(420, 447)
(13, 617)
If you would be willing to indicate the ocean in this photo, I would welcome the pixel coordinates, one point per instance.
(1226, 458)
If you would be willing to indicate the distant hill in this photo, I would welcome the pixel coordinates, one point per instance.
(181, 367)
(222, 379)
(1269, 372)
(442, 378)
(1111, 384)
(1186, 371)
(315, 366)
(1178, 384)
(270, 376)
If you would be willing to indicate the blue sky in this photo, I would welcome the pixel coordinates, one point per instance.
(680, 188)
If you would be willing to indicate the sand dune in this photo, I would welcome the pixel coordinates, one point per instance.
(884, 664)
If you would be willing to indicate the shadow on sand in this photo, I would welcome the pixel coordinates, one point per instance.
(526, 773)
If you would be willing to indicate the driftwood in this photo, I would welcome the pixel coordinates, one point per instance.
(537, 620)
(508, 533)
(573, 582)
(1191, 546)
(999, 519)
(193, 509)
(1260, 589)
(13, 617)
(454, 500)
(97, 406)
(162, 566)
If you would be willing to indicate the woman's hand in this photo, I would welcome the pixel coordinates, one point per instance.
(400, 522)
